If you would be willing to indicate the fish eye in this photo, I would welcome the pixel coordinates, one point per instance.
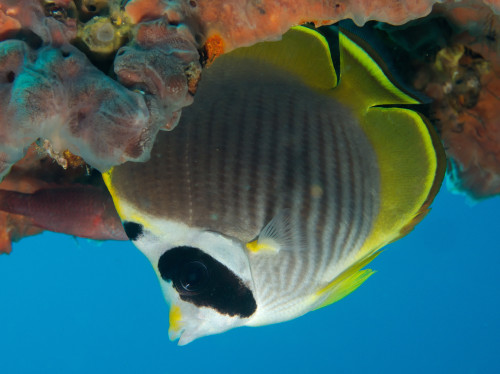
(192, 277)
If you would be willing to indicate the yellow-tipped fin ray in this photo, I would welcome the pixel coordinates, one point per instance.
(275, 236)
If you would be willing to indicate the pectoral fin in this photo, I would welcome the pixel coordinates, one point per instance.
(275, 236)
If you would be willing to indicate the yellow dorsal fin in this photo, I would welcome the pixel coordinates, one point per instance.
(302, 52)
(119, 204)
(106, 176)
(348, 281)
(412, 166)
(363, 83)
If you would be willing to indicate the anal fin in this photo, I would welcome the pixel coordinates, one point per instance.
(345, 283)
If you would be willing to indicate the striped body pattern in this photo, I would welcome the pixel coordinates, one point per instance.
(245, 154)
(278, 185)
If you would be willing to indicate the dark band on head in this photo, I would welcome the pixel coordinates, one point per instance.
(219, 289)
(133, 230)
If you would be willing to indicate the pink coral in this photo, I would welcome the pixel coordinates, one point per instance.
(82, 210)
(44, 96)
(163, 64)
(56, 93)
(39, 194)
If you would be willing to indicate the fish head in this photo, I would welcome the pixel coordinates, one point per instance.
(214, 282)
(205, 277)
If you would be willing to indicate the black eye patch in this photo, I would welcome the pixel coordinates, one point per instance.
(203, 281)
(133, 230)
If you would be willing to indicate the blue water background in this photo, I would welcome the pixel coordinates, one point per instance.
(75, 306)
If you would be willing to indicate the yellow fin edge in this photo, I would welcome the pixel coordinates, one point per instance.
(412, 166)
(348, 281)
(123, 211)
(106, 177)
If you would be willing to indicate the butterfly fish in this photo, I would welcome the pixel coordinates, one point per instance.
(281, 182)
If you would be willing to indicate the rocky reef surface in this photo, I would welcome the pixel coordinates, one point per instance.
(87, 84)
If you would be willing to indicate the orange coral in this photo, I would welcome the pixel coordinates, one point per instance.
(214, 47)
(466, 89)
(73, 160)
(37, 172)
(464, 81)
(245, 22)
(474, 141)
(14, 227)
(8, 24)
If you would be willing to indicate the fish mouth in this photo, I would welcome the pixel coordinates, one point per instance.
(174, 334)
(181, 336)
(184, 328)
(177, 328)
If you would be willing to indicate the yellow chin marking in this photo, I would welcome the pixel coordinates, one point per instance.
(175, 318)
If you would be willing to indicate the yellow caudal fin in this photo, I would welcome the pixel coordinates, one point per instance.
(302, 52)
(347, 282)
(409, 154)
(412, 165)
(363, 83)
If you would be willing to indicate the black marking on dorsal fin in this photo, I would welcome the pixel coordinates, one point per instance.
(386, 56)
